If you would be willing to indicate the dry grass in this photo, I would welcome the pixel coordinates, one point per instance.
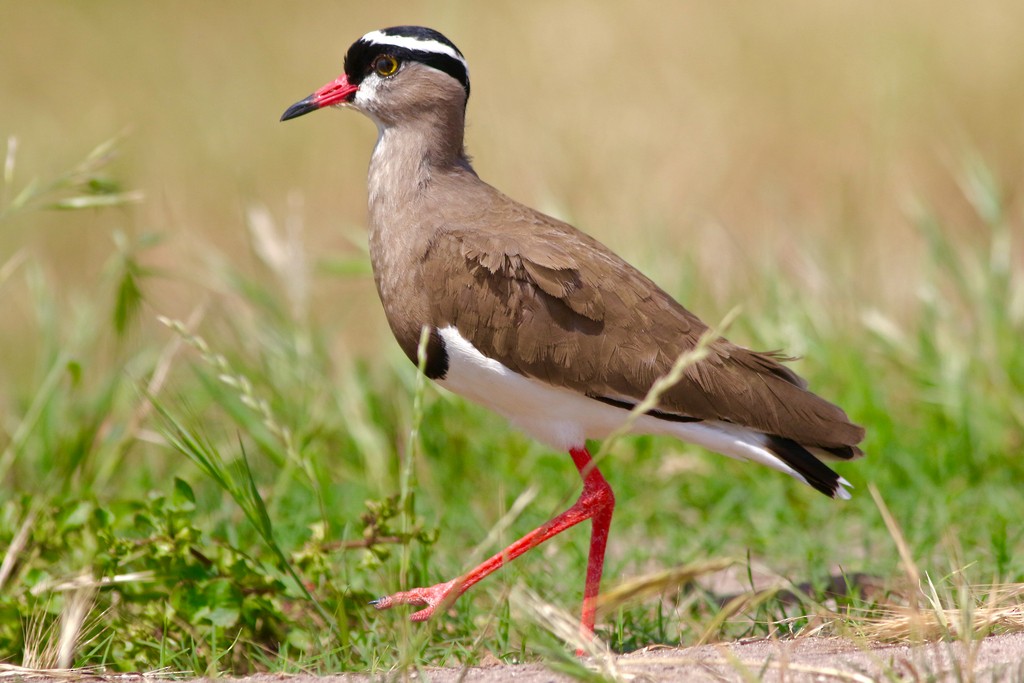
(924, 611)
(25, 673)
(1000, 611)
(663, 582)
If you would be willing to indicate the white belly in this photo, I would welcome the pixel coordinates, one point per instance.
(558, 417)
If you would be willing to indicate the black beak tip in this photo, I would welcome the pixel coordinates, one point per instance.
(299, 108)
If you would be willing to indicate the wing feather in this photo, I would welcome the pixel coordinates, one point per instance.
(576, 315)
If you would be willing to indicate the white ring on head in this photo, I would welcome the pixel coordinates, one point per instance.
(409, 43)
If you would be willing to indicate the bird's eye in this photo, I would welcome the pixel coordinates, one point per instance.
(385, 65)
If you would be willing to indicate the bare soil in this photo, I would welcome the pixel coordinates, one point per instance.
(997, 658)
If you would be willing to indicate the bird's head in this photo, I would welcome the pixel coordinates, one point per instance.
(394, 73)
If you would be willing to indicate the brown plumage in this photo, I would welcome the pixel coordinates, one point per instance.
(552, 303)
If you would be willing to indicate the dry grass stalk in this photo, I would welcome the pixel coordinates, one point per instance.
(284, 252)
(87, 581)
(640, 588)
(743, 601)
(906, 559)
(43, 651)
(567, 629)
(26, 673)
(72, 618)
(159, 376)
(18, 544)
(928, 616)
(684, 361)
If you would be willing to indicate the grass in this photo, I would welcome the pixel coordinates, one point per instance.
(225, 491)
(231, 499)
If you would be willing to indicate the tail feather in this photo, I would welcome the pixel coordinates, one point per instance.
(771, 450)
(837, 452)
(816, 473)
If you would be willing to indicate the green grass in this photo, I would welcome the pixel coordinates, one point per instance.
(228, 492)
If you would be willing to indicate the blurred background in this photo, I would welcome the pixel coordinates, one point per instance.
(699, 139)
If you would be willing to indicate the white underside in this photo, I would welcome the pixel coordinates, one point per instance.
(564, 419)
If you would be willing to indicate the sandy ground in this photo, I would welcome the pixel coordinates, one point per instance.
(997, 658)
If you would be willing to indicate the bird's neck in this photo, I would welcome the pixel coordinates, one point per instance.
(409, 154)
(409, 162)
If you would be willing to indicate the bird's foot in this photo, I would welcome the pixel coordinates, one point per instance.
(431, 598)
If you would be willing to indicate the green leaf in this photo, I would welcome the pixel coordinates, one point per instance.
(78, 515)
(99, 185)
(104, 518)
(75, 370)
(220, 616)
(222, 603)
(184, 498)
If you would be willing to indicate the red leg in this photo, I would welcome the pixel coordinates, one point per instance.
(596, 503)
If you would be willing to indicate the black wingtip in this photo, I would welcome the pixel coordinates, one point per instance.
(299, 108)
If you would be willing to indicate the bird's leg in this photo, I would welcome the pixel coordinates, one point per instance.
(600, 523)
(596, 503)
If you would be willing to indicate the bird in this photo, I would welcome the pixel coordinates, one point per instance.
(540, 322)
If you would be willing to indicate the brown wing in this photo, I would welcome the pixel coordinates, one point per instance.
(561, 307)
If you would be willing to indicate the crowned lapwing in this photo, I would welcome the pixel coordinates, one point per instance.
(540, 322)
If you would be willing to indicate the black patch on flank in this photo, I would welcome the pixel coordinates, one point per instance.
(660, 414)
(817, 474)
(360, 57)
(436, 366)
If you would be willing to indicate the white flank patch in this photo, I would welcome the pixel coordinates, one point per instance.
(564, 419)
(409, 43)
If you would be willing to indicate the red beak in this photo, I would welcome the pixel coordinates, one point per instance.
(337, 91)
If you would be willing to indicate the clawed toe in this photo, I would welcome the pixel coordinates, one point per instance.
(430, 598)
